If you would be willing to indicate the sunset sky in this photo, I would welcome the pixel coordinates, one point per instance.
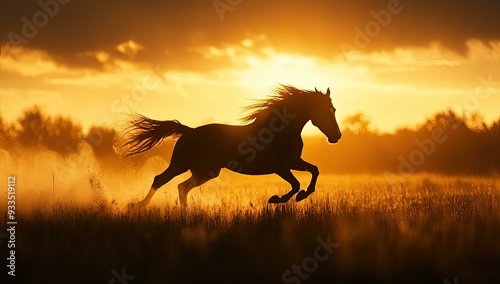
(202, 61)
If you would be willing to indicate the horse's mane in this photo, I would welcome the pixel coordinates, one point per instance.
(282, 94)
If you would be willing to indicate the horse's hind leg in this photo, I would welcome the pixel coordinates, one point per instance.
(195, 180)
(161, 179)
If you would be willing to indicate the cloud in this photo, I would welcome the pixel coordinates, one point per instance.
(429, 55)
(27, 62)
(129, 48)
(166, 32)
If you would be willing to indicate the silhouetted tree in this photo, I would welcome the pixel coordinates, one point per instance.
(357, 123)
(495, 127)
(6, 134)
(63, 135)
(32, 127)
(475, 121)
(101, 139)
(35, 129)
(446, 120)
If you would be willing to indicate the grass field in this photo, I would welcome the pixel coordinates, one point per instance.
(420, 229)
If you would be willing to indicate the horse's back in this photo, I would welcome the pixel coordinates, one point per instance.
(218, 131)
(212, 141)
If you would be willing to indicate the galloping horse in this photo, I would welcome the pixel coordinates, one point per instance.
(269, 143)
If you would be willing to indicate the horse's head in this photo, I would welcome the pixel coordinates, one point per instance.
(323, 116)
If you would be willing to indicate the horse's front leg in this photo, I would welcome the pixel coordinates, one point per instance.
(302, 165)
(290, 178)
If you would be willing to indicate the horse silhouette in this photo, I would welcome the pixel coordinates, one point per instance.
(269, 143)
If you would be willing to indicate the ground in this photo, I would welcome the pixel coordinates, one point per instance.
(353, 229)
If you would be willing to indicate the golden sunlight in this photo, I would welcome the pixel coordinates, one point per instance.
(120, 161)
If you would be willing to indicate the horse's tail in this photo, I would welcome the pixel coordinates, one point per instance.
(143, 133)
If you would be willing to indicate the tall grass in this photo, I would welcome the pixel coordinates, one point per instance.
(423, 229)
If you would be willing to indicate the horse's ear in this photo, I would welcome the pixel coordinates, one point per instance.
(316, 90)
(328, 92)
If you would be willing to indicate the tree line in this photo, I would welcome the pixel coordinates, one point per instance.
(446, 143)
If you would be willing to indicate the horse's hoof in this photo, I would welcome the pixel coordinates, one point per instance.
(301, 195)
(275, 199)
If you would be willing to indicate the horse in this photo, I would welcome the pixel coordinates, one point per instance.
(269, 143)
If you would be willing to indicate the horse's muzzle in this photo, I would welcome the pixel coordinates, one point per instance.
(333, 140)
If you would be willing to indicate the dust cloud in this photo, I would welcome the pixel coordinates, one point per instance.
(46, 179)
